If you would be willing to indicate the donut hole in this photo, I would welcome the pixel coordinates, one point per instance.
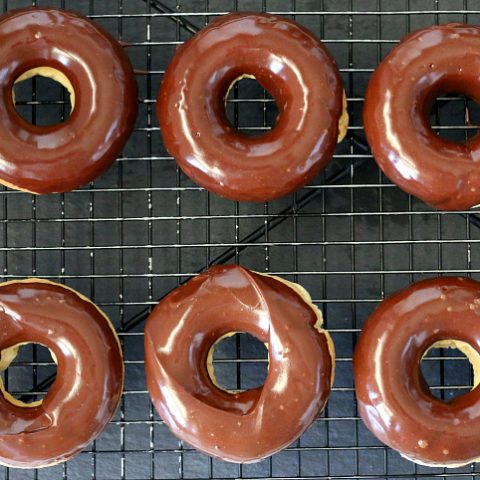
(250, 108)
(455, 117)
(240, 362)
(43, 96)
(27, 370)
(448, 368)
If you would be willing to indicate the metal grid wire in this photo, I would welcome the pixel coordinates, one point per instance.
(141, 229)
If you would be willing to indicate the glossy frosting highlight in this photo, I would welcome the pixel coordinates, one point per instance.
(426, 64)
(393, 397)
(61, 157)
(250, 425)
(88, 386)
(290, 63)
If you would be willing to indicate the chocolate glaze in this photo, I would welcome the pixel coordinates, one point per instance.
(88, 386)
(393, 397)
(246, 426)
(426, 64)
(59, 158)
(289, 62)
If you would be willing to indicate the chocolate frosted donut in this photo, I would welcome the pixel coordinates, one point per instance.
(180, 336)
(88, 386)
(290, 63)
(93, 68)
(393, 397)
(401, 92)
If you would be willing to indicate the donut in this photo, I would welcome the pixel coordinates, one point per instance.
(393, 397)
(88, 386)
(290, 63)
(181, 334)
(93, 68)
(399, 98)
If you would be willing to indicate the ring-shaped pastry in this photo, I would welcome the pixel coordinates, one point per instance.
(89, 381)
(289, 62)
(92, 66)
(399, 98)
(394, 399)
(180, 336)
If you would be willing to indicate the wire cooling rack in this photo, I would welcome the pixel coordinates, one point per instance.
(141, 229)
